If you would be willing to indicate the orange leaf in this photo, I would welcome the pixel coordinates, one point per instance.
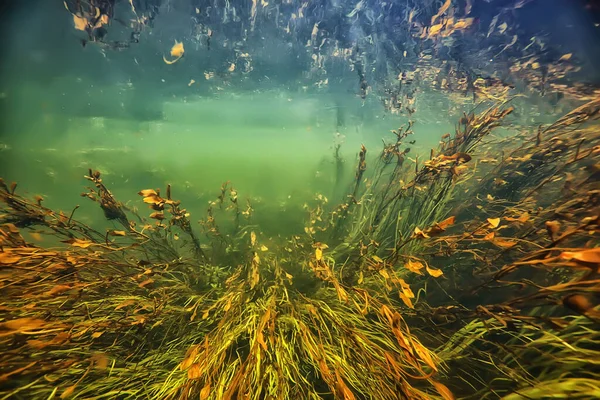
(205, 392)
(443, 390)
(6, 258)
(124, 304)
(189, 358)
(146, 282)
(588, 256)
(23, 324)
(504, 243)
(434, 272)
(58, 289)
(68, 392)
(489, 236)
(194, 372)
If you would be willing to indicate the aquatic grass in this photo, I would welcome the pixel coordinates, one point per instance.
(154, 310)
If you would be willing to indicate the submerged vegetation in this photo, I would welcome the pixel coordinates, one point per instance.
(468, 272)
(380, 297)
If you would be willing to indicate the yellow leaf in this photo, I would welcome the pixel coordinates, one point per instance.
(434, 272)
(83, 243)
(96, 335)
(442, 10)
(177, 49)
(420, 234)
(566, 57)
(406, 301)
(494, 222)
(147, 192)
(264, 248)
(376, 259)
(252, 238)
(414, 266)
(384, 273)
(318, 254)
(435, 29)
(80, 23)
(406, 290)
(117, 233)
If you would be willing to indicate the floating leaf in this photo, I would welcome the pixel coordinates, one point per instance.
(177, 51)
(565, 57)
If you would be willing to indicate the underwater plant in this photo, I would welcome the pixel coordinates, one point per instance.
(381, 296)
